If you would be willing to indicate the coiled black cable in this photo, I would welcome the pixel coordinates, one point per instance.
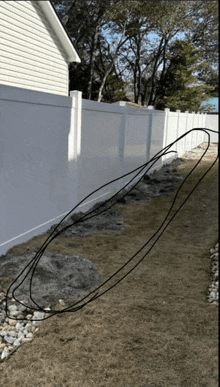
(91, 296)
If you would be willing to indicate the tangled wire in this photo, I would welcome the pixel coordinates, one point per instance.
(99, 291)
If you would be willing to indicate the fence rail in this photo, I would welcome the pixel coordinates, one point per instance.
(56, 150)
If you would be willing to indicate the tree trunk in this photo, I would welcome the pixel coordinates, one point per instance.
(154, 73)
(103, 82)
(91, 64)
(66, 17)
(135, 84)
(137, 72)
(112, 65)
(155, 98)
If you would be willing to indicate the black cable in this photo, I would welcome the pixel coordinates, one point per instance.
(94, 294)
(56, 235)
(95, 290)
(43, 247)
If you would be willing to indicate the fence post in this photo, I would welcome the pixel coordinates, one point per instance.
(149, 135)
(74, 148)
(198, 126)
(186, 129)
(193, 119)
(204, 126)
(165, 130)
(122, 131)
(193, 133)
(177, 128)
(122, 134)
(74, 141)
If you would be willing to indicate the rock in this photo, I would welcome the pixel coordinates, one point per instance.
(4, 333)
(38, 315)
(12, 333)
(26, 340)
(19, 325)
(22, 308)
(9, 339)
(17, 342)
(12, 308)
(2, 296)
(5, 353)
(12, 322)
(20, 336)
(28, 327)
(2, 317)
(14, 313)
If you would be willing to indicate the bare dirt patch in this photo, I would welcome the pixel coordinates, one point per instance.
(155, 329)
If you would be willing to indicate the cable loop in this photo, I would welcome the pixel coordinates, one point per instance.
(95, 294)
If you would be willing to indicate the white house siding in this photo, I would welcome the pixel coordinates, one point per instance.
(31, 56)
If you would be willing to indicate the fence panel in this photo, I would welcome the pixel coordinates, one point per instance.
(172, 122)
(56, 150)
(35, 186)
(194, 133)
(99, 161)
(188, 138)
(182, 129)
(213, 124)
(157, 135)
(137, 137)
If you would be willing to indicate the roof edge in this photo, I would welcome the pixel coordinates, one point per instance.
(60, 31)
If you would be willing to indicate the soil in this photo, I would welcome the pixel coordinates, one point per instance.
(155, 328)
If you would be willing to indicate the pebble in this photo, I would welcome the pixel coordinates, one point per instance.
(13, 333)
(213, 290)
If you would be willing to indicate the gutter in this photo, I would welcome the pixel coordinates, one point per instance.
(59, 30)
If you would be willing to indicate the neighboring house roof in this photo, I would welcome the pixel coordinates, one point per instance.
(59, 30)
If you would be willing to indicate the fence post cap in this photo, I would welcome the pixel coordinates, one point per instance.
(75, 92)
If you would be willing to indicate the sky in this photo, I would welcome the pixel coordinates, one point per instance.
(214, 102)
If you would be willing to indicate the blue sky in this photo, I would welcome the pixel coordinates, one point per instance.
(214, 102)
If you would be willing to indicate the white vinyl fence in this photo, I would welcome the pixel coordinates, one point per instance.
(56, 150)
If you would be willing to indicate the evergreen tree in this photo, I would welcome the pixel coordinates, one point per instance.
(179, 87)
